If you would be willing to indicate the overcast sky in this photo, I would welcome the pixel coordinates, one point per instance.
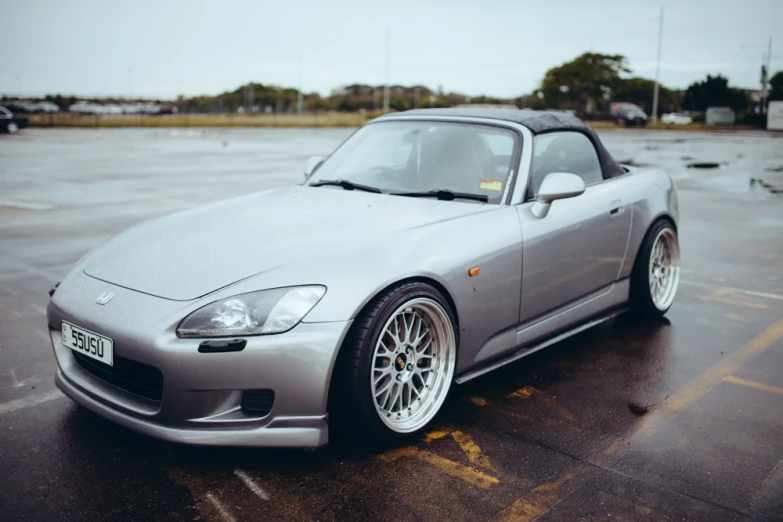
(162, 48)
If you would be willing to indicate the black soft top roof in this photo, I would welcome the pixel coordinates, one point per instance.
(536, 121)
(539, 122)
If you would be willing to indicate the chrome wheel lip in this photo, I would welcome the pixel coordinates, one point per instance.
(437, 351)
(664, 269)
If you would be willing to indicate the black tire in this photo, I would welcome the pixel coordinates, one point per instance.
(352, 409)
(641, 300)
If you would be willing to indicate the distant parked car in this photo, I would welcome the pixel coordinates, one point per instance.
(83, 107)
(47, 107)
(631, 115)
(167, 108)
(13, 105)
(676, 118)
(10, 123)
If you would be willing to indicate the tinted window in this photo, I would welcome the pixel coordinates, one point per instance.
(570, 152)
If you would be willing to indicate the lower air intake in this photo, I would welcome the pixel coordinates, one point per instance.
(258, 402)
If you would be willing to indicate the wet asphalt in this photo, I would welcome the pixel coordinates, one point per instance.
(680, 419)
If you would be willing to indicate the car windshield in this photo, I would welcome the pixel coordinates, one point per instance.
(419, 156)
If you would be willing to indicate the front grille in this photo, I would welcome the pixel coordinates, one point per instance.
(258, 402)
(131, 376)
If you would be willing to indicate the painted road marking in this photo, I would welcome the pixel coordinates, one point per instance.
(251, 485)
(546, 496)
(24, 205)
(26, 402)
(225, 514)
(701, 385)
(548, 400)
(471, 450)
(765, 295)
(541, 499)
(480, 401)
(449, 467)
(732, 298)
(753, 384)
(466, 444)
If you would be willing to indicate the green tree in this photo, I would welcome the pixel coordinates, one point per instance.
(640, 91)
(583, 81)
(776, 86)
(714, 92)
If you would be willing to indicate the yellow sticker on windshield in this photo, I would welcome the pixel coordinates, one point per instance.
(491, 184)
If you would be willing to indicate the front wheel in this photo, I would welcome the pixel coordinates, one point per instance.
(397, 365)
(656, 273)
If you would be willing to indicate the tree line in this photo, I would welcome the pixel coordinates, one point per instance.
(587, 85)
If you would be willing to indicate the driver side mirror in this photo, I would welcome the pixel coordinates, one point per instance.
(312, 165)
(556, 185)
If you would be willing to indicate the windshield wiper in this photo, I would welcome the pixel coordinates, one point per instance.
(347, 185)
(444, 195)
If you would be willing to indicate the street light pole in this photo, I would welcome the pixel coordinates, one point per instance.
(386, 87)
(657, 70)
(765, 80)
(300, 97)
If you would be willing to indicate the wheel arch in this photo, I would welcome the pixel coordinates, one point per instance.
(336, 360)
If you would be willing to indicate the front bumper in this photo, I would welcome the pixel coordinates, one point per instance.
(201, 392)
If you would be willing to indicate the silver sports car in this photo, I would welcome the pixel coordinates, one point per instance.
(431, 247)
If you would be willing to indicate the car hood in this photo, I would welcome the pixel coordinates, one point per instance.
(190, 254)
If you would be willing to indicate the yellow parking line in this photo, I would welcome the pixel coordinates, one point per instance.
(472, 450)
(701, 385)
(753, 384)
(732, 298)
(548, 400)
(449, 467)
(540, 500)
(546, 496)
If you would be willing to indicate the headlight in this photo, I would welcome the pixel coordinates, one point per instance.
(257, 313)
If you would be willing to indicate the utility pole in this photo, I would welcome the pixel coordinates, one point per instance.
(765, 72)
(386, 87)
(300, 104)
(657, 70)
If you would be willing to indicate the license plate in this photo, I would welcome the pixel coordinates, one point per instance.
(88, 343)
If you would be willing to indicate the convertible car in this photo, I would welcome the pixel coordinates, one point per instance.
(430, 248)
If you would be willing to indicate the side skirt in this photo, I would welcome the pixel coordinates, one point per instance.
(527, 350)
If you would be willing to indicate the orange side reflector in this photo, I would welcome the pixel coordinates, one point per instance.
(474, 271)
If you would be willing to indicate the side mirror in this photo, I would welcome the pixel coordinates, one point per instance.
(311, 165)
(556, 185)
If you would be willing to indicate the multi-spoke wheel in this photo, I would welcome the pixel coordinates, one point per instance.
(657, 271)
(398, 363)
(413, 364)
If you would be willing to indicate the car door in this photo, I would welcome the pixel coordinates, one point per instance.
(577, 249)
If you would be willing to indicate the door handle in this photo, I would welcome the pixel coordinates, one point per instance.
(616, 208)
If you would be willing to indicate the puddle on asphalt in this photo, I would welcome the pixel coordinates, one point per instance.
(638, 410)
(772, 189)
(704, 165)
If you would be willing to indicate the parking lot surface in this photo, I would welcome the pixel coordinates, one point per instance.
(680, 419)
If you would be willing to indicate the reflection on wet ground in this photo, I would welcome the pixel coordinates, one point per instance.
(676, 419)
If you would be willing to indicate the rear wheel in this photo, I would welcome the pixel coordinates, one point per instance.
(397, 365)
(12, 128)
(656, 273)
